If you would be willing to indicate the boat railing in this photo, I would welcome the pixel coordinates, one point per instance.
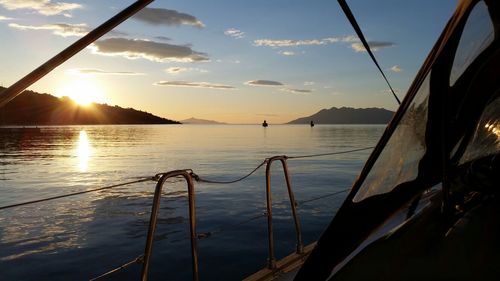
(186, 174)
(271, 264)
(189, 176)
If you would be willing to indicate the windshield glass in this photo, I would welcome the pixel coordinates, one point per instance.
(398, 162)
(476, 36)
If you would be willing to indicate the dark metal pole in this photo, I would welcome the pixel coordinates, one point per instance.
(293, 206)
(271, 262)
(15, 89)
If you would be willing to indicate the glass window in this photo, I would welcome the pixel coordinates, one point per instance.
(486, 139)
(398, 161)
(478, 34)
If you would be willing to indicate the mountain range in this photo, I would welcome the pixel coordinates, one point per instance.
(31, 108)
(193, 120)
(347, 115)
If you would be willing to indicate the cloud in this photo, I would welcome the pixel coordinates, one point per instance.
(44, 7)
(374, 46)
(193, 85)
(150, 50)
(64, 29)
(307, 42)
(94, 71)
(349, 39)
(309, 83)
(163, 38)
(177, 69)
(396, 68)
(2, 18)
(235, 33)
(158, 16)
(61, 29)
(287, 53)
(263, 83)
(286, 42)
(296, 91)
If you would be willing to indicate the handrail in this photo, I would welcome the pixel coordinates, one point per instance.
(154, 218)
(271, 263)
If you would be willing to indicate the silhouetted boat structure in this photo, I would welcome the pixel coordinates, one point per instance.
(264, 124)
(425, 206)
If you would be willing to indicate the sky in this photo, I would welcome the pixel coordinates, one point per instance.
(233, 61)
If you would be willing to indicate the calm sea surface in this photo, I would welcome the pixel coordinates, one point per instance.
(81, 237)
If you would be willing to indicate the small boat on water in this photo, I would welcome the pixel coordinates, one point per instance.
(264, 124)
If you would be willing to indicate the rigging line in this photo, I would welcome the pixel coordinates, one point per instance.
(323, 196)
(76, 193)
(331, 153)
(199, 179)
(356, 27)
(219, 229)
(139, 259)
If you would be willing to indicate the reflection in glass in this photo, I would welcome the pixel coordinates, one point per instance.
(84, 150)
(477, 35)
(398, 162)
(486, 138)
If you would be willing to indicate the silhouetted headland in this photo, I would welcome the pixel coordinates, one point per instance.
(193, 120)
(347, 115)
(31, 108)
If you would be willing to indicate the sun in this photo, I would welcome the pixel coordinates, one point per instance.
(82, 91)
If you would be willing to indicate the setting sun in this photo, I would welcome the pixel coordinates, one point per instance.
(83, 92)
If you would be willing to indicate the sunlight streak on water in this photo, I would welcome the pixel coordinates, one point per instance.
(84, 151)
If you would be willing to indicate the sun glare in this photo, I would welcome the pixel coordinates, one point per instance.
(83, 92)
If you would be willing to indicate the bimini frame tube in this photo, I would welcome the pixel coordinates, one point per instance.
(15, 89)
(186, 174)
(271, 263)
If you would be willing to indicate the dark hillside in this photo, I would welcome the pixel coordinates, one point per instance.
(347, 115)
(31, 108)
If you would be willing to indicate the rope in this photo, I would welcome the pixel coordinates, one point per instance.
(76, 193)
(139, 259)
(194, 175)
(323, 196)
(199, 179)
(219, 229)
(331, 153)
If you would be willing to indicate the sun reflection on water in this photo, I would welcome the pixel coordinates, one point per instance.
(84, 151)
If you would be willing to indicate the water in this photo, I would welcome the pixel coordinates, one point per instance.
(81, 237)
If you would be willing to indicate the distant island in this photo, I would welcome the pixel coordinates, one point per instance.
(348, 115)
(193, 120)
(32, 108)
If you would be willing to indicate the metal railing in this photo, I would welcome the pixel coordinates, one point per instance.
(271, 263)
(186, 174)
